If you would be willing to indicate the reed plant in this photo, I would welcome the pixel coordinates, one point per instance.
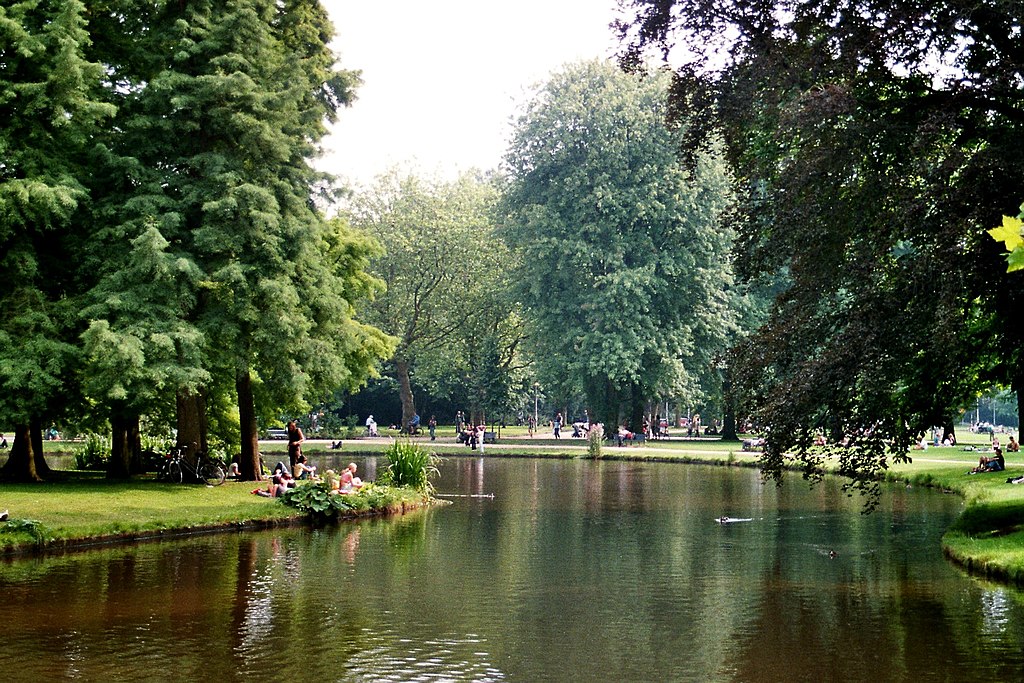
(595, 437)
(411, 465)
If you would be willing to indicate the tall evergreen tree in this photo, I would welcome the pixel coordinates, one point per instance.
(227, 105)
(48, 113)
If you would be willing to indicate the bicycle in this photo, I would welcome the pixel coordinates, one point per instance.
(176, 468)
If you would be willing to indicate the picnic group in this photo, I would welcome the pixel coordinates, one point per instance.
(285, 477)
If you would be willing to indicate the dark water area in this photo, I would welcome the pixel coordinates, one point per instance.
(591, 571)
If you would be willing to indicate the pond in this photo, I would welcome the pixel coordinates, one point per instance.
(598, 571)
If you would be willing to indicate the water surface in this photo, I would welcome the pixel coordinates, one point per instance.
(599, 571)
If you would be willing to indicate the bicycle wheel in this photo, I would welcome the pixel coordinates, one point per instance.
(212, 474)
(174, 474)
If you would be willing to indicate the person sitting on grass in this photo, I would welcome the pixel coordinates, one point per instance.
(1012, 446)
(303, 470)
(349, 482)
(994, 464)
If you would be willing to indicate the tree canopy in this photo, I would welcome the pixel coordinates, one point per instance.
(201, 265)
(623, 268)
(49, 113)
(443, 268)
(876, 142)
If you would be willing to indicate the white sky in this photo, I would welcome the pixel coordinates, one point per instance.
(442, 78)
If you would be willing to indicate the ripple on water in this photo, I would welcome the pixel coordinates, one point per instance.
(387, 658)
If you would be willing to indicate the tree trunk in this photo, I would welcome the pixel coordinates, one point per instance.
(1015, 386)
(949, 429)
(35, 427)
(134, 435)
(610, 409)
(193, 427)
(23, 462)
(405, 392)
(249, 462)
(728, 413)
(119, 466)
(636, 408)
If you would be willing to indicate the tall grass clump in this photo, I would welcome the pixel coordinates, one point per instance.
(409, 465)
(594, 439)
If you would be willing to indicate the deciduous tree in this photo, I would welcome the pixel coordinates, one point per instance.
(877, 142)
(624, 274)
(438, 263)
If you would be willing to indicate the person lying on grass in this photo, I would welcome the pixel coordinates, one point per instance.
(278, 484)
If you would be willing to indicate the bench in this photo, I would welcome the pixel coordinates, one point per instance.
(638, 437)
(490, 437)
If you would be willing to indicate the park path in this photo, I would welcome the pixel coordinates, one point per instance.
(521, 444)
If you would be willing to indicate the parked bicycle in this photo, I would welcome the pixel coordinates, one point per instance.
(177, 468)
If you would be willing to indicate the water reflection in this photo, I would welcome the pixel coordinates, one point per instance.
(599, 571)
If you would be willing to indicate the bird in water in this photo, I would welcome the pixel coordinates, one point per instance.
(832, 554)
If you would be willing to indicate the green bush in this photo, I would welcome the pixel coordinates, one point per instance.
(352, 427)
(315, 499)
(312, 497)
(94, 453)
(409, 465)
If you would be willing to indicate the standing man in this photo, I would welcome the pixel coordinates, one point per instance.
(432, 424)
(295, 439)
(557, 425)
(459, 422)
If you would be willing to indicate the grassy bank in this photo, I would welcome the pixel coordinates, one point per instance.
(83, 508)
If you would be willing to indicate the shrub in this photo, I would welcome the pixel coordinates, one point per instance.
(94, 453)
(316, 500)
(409, 465)
(351, 427)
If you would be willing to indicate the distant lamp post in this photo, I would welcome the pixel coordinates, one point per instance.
(536, 387)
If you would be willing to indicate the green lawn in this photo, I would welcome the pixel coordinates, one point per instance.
(85, 505)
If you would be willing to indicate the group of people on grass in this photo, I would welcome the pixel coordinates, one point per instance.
(284, 478)
(281, 480)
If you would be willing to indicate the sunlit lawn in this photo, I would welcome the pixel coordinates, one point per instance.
(87, 505)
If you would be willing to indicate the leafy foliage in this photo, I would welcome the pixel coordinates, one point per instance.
(444, 270)
(411, 465)
(315, 499)
(94, 453)
(50, 114)
(1011, 234)
(874, 144)
(622, 249)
